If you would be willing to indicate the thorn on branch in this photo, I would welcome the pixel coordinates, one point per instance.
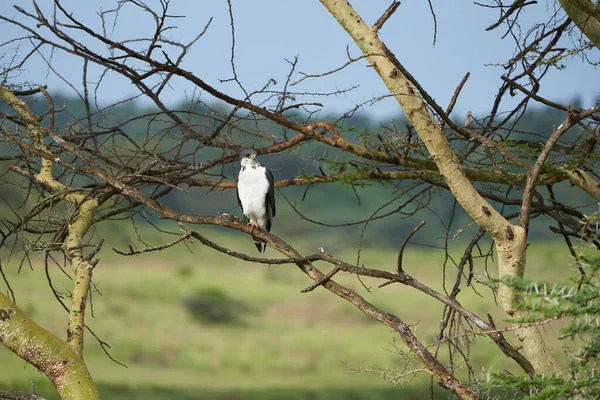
(386, 15)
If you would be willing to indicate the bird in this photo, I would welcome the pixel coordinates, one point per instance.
(256, 194)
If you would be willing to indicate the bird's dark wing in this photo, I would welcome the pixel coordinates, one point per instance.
(270, 200)
(271, 192)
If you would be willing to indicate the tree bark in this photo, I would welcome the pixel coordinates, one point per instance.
(42, 349)
(510, 239)
(586, 15)
(583, 180)
(511, 262)
(77, 229)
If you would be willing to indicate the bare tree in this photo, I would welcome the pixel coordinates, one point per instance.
(93, 169)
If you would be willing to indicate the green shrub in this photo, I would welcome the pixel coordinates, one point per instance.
(185, 271)
(214, 305)
(578, 305)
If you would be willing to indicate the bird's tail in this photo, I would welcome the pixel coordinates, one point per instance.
(260, 246)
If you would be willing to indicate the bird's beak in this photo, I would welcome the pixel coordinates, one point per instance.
(253, 156)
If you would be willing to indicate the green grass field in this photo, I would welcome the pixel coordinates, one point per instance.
(284, 345)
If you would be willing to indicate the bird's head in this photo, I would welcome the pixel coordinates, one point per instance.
(248, 158)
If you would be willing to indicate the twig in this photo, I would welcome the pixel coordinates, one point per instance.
(299, 105)
(534, 173)
(446, 118)
(57, 295)
(542, 100)
(386, 15)
(350, 61)
(29, 92)
(134, 252)
(404, 243)
(514, 7)
(12, 294)
(568, 242)
(18, 395)
(496, 331)
(245, 257)
(95, 251)
(434, 21)
(455, 98)
(327, 277)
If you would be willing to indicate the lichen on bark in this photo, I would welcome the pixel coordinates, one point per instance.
(83, 219)
(44, 350)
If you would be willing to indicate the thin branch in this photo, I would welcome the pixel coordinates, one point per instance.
(455, 97)
(29, 92)
(18, 395)
(434, 21)
(350, 61)
(535, 172)
(404, 243)
(517, 5)
(326, 278)
(12, 294)
(496, 331)
(134, 252)
(385, 16)
(543, 100)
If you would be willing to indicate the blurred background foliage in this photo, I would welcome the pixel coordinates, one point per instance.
(191, 323)
(313, 201)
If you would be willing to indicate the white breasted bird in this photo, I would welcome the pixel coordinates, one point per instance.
(256, 194)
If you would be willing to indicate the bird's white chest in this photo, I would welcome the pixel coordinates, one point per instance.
(252, 190)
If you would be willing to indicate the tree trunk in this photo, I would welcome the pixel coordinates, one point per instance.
(51, 355)
(509, 239)
(511, 262)
(59, 374)
(586, 15)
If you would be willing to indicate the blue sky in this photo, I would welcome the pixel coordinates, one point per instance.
(270, 31)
